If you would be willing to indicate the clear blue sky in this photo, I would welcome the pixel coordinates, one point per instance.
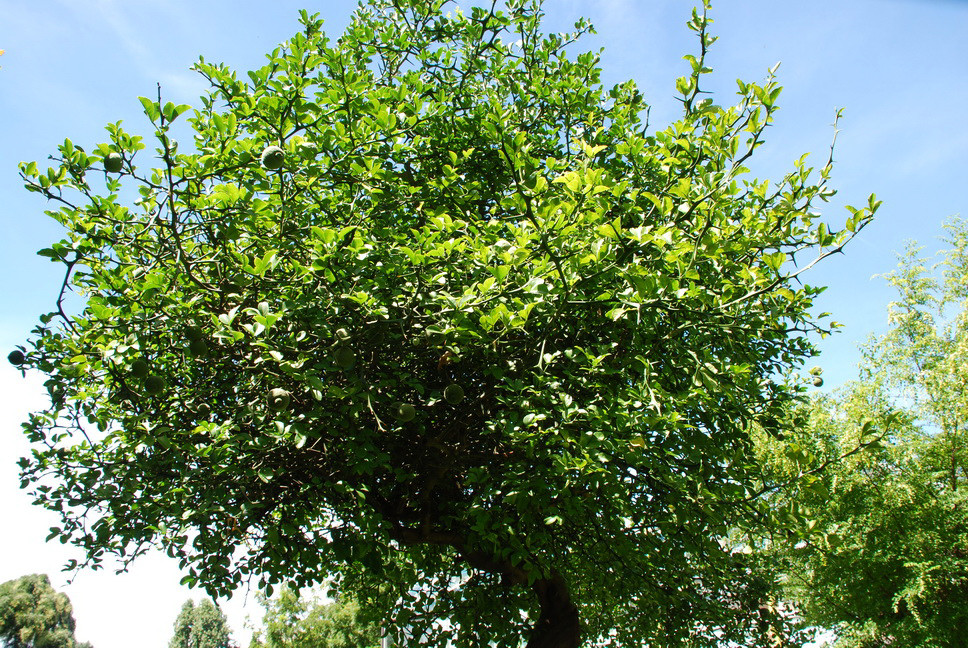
(896, 66)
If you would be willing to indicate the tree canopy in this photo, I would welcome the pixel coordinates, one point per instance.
(34, 615)
(200, 626)
(430, 311)
(294, 621)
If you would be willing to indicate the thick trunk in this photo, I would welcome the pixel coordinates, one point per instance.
(558, 626)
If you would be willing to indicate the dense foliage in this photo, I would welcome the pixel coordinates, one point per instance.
(429, 310)
(294, 621)
(889, 564)
(34, 615)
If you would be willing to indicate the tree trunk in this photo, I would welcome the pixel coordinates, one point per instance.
(558, 626)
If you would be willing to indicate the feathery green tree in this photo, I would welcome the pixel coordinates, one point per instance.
(200, 626)
(889, 564)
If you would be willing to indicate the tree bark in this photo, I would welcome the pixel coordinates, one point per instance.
(559, 625)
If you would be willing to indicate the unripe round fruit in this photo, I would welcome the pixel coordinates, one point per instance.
(273, 157)
(154, 385)
(112, 162)
(139, 368)
(454, 394)
(198, 348)
(404, 412)
(203, 410)
(817, 381)
(193, 333)
(278, 399)
(17, 357)
(345, 358)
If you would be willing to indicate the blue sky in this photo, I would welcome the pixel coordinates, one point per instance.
(896, 66)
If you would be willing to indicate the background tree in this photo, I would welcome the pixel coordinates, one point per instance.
(34, 615)
(293, 621)
(922, 361)
(429, 311)
(200, 626)
(890, 564)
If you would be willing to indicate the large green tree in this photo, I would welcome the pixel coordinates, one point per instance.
(294, 621)
(34, 615)
(200, 626)
(429, 310)
(889, 564)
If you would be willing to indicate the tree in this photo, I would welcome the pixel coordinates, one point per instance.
(200, 626)
(34, 615)
(292, 621)
(889, 564)
(273, 317)
(922, 361)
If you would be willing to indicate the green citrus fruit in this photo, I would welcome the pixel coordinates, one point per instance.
(198, 348)
(404, 412)
(112, 162)
(454, 394)
(154, 385)
(817, 381)
(17, 357)
(139, 368)
(345, 358)
(204, 410)
(278, 399)
(273, 157)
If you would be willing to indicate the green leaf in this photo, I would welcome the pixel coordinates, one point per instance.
(151, 108)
